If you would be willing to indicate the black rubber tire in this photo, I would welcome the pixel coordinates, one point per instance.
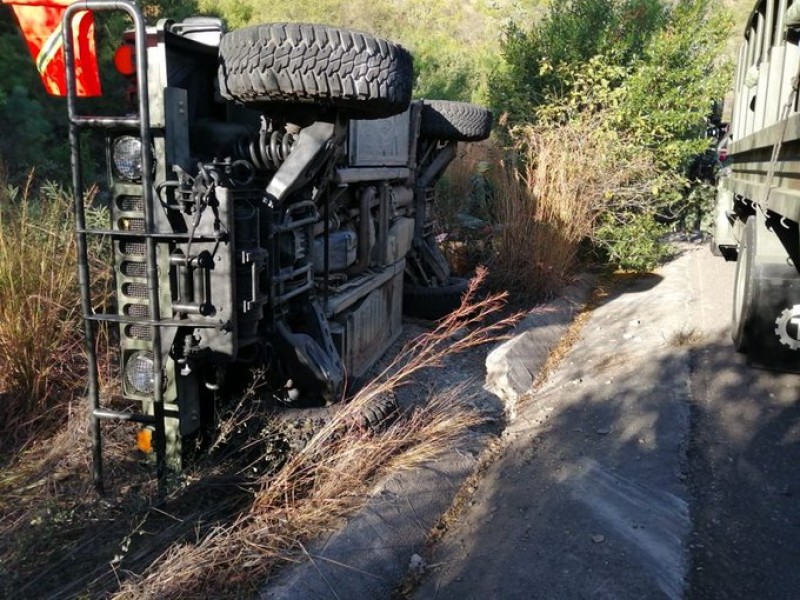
(744, 289)
(433, 302)
(380, 412)
(455, 121)
(284, 64)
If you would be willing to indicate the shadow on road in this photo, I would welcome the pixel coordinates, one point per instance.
(745, 478)
(651, 419)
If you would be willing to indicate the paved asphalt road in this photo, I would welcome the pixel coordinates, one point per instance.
(654, 463)
(744, 461)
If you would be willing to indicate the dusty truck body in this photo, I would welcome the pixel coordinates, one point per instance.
(270, 198)
(758, 202)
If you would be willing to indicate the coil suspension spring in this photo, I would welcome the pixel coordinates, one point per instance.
(268, 150)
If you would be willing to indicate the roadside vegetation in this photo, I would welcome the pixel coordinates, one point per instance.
(40, 323)
(242, 511)
(601, 106)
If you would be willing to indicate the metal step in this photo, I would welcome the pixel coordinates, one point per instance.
(171, 236)
(105, 122)
(102, 413)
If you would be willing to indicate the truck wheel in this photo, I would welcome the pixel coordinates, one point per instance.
(380, 412)
(275, 65)
(433, 302)
(744, 289)
(455, 121)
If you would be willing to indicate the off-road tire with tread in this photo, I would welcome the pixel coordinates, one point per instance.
(455, 121)
(380, 412)
(280, 65)
(744, 289)
(433, 302)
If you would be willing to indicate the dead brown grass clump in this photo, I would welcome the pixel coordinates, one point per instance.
(561, 179)
(40, 322)
(331, 475)
(543, 199)
(39, 312)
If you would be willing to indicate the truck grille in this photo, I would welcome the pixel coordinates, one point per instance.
(132, 247)
(132, 224)
(134, 290)
(137, 310)
(131, 268)
(131, 203)
(139, 332)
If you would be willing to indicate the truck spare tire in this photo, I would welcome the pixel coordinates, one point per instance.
(455, 121)
(286, 64)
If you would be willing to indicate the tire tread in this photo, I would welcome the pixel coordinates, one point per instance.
(315, 64)
(455, 121)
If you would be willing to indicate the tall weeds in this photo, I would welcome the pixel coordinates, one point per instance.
(548, 192)
(40, 324)
(332, 474)
(567, 176)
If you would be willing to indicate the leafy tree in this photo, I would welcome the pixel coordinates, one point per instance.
(669, 94)
(569, 35)
(641, 91)
(27, 113)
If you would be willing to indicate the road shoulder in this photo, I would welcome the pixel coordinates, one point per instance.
(589, 499)
(369, 556)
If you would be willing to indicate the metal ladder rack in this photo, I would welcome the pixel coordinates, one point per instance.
(78, 122)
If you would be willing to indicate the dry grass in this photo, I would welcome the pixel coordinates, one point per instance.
(687, 338)
(561, 178)
(41, 330)
(534, 255)
(39, 314)
(222, 530)
(40, 323)
(546, 195)
(54, 530)
(332, 474)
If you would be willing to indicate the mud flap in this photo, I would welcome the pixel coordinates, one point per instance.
(775, 321)
(724, 240)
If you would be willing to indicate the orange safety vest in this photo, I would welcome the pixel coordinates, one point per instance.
(41, 24)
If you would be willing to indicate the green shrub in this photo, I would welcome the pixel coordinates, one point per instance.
(570, 34)
(635, 93)
(669, 93)
(631, 241)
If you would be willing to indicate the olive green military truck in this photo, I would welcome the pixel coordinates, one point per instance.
(270, 192)
(758, 201)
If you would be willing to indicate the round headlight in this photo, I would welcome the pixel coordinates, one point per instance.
(126, 152)
(139, 373)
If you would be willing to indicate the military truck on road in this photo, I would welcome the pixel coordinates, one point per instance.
(758, 202)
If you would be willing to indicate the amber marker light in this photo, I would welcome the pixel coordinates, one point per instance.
(144, 440)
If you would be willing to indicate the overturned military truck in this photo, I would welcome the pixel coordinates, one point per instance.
(758, 201)
(270, 194)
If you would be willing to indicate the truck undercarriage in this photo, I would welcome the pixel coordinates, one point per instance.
(270, 195)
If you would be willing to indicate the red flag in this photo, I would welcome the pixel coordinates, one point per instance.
(40, 21)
